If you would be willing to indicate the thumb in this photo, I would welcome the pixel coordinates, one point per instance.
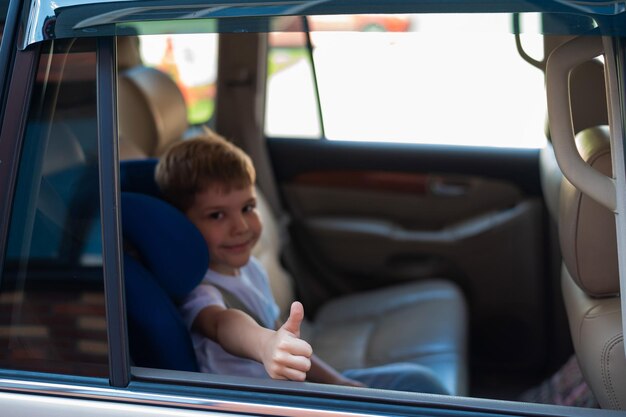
(296, 315)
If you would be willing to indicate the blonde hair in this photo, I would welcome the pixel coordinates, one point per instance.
(193, 165)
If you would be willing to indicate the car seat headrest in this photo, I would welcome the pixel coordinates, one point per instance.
(165, 242)
(151, 110)
(165, 258)
(128, 54)
(586, 228)
(137, 176)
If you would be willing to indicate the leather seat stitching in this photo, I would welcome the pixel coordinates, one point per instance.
(606, 370)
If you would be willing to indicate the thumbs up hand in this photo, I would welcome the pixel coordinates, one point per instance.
(284, 354)
(296, 315)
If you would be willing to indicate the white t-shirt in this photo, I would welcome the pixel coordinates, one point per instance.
(252, 288)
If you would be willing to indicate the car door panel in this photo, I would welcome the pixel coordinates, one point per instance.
(414, 200)
(375, 215)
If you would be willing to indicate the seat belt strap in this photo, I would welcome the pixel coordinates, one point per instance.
(232, 301)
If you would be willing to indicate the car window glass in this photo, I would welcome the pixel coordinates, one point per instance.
(441, 79)
(289, 68)
(51, 293)
(191, 60)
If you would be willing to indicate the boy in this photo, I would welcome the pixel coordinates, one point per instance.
(212, 182)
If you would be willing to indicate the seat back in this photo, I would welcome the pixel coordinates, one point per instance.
(165, 257)
(590, 278)
(589, 108)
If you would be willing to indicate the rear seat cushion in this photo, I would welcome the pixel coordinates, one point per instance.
(423, 322)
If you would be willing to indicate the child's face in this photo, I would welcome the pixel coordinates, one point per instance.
(230, 225)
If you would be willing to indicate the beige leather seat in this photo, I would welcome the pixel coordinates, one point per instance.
(590, 279)
(423, 323)
(588, 106)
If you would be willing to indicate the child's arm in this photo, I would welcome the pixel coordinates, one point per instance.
(283, 354)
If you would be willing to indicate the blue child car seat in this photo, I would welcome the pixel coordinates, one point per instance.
(165, 257)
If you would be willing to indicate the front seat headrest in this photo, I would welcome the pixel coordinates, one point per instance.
(586, 228)
(128, 54)
(151, 110)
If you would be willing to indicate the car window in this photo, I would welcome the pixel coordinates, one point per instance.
(191, 60)
(401, 78)
(51, 292)
(440, 79)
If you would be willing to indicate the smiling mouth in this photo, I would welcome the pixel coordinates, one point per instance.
(237, 247)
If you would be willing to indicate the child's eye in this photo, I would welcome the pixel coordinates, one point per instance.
(216, 215)
(248, 208)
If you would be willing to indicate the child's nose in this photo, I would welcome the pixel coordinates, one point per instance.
(240, 225)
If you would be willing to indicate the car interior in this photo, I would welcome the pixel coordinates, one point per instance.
(357, 331)
(486, 265)
(343, 331)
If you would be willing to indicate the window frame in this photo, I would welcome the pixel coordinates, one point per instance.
(8, 44)
(150, 387)
(19, 92)
(22, 85)
(108, 163)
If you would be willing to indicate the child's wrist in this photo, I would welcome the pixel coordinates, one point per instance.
(265, 343)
